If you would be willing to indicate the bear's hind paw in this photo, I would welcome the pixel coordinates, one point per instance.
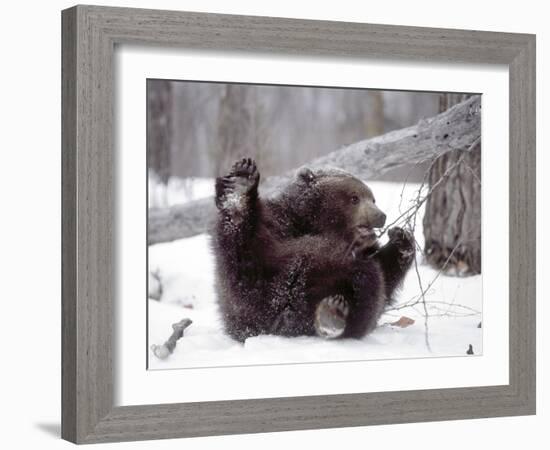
(330, 316)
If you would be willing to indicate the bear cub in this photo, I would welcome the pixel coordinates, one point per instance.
(306, 262)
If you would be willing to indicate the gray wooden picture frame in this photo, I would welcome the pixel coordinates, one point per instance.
(90, 34)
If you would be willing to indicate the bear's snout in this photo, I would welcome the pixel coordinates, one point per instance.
(379, 219)
(371, 216)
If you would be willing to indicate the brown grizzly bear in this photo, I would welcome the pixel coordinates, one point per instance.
(306, 262)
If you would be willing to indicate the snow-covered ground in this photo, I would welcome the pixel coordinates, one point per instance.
(184, 269)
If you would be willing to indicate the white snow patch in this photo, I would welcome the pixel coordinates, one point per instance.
(185, 269)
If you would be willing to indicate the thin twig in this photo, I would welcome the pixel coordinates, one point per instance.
(473, 173)
(166, 349)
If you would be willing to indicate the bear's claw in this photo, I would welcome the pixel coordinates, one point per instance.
(244, 174)
(241, 180)
(401, 236)
(404, 241)
(330, 316)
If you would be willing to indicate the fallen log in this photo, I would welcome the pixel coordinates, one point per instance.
(455, 129)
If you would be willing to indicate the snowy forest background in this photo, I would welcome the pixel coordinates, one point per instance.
(196, 130)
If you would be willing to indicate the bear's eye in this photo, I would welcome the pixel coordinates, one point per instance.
(354, 199)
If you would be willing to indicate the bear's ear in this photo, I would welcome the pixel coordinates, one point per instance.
(306, 174)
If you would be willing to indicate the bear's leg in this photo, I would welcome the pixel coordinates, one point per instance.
(287, 298)
(239, 210)
(331, 316)
(368, 300)
(239, 261)
(291, 322)
(396, 258)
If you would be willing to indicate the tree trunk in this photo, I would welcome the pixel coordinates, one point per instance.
(452, 221)
(375, 114)
(159, 128)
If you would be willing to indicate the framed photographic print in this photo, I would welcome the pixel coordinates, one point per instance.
(268, 222)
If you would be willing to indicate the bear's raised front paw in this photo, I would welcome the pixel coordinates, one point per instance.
(404, 241)
(245, 175)
(242, 179)
(330, 316)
